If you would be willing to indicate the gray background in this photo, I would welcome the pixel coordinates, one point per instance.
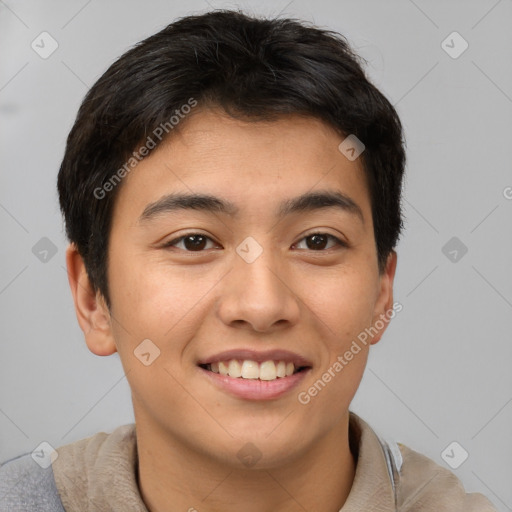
(441, 372)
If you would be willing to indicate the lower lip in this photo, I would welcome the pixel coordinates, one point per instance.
(256, 389)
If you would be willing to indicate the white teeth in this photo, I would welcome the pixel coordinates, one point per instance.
(248, 369)
(235, 370)
(268, 370)
(223, 368)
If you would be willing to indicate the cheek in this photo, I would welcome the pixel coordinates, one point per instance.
(333, 389)
(348, 304)
(344, 301)
(155, 299)
(154, 320)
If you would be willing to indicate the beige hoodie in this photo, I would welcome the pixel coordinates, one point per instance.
(100, 474)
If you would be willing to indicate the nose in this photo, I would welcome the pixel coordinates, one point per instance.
(259, 295)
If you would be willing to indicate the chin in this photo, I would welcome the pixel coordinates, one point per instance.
(262, 450)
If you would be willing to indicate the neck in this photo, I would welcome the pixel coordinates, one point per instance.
(170, 472)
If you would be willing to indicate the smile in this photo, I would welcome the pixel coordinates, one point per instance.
(248, 369)
(250, 374)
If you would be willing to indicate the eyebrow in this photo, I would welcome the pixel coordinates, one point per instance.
(308, 202)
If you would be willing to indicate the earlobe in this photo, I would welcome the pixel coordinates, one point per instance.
(92, 313)
(384, 304)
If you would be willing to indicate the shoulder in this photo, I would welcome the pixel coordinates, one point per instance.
(62, 477)
(25, 485)
(416, 483)
(424, 485)
(99, 469)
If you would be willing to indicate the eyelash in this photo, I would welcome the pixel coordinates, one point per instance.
(181, 238)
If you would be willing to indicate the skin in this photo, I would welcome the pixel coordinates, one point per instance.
(192, 304)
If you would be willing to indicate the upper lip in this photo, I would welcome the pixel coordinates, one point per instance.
(257, 356)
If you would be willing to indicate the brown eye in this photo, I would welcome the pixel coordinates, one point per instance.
(319, 241)
(194, 242)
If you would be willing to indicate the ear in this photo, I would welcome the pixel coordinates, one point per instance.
(384, 304)
(91, 310)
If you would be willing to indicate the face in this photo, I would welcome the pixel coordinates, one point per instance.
(276, 264)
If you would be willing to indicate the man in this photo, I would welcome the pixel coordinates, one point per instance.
(231, 189)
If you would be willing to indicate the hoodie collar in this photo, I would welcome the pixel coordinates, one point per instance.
(100, 472)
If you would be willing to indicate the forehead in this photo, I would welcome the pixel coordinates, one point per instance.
(250, 164)
(212, 132)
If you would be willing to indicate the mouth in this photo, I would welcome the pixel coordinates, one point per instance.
(248, 369)
(253, 375)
